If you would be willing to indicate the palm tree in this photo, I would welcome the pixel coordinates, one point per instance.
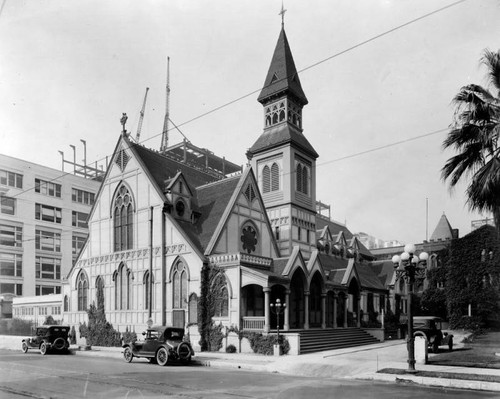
(475, 135)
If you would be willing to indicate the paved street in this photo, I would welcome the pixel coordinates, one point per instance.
(63, 376)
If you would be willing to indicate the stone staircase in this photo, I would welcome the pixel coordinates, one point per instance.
(323, 340)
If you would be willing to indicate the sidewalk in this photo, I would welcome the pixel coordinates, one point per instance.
(352, 363)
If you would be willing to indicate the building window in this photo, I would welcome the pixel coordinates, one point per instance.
(249, 238)
(48, 268)
(7, 205)
(47, 188)
(11, 265)
(148, 283)
(11, 179)
(82, 197)
(302, 178)
(277, 233)
(66, 303)
(122, 278)
(47, 241)
(275, 177)
(266, 179)
(123, 220)
(8, 288)
(82, 286)
(48, 213)
(11, 236)
(193, 309)
(77, 243)
(219, 289)
(80, 219)
(180, 286)
(47, 290)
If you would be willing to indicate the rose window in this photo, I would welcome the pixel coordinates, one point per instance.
(249, 239)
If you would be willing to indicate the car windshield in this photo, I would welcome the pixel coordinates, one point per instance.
(174, 334)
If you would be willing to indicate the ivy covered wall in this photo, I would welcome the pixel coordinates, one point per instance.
(473, 278)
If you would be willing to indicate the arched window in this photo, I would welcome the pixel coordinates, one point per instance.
(82, 287)
(193, 308)
(299, 177)
(305, 181)
(66, 303)
(302, 179)
(148, 284)
(179, 286)
(282, 115)
(123, 220)
(122, 278)
(275, 177)
(99, 285)
(219, 289)
(266, 179)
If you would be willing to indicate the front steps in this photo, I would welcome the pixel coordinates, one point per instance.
(323, 340)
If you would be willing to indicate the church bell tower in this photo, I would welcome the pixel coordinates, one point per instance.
(283, 159)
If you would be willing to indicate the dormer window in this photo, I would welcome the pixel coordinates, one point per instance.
(180, 208)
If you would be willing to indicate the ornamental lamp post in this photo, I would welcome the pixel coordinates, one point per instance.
(409, 266)
(277, 308)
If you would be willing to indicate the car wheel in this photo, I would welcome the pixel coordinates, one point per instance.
(184, 353)
(450, 344)
(43, 348)
(162, 357)
(59, 344)
(435, 346)
(24, 347)
(128, 355)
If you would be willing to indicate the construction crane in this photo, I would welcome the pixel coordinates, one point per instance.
(141, 117)
(164, 137)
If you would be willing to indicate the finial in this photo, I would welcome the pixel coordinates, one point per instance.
(282, 13)
(123, 121)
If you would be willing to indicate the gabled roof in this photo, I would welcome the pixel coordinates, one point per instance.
(443, 230)
(284, 133)
(282, 76)
(368, 278)
(211, 202)
(384, 270)
(333, 226)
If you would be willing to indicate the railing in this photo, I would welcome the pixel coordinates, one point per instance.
(253, 323)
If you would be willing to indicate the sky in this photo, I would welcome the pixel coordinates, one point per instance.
(379, 97)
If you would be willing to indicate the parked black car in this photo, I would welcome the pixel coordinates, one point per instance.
(48, 338)
(431, 328)
(160, 345)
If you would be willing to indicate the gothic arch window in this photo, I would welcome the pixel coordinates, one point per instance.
(305, 179)
(99, 285)
(302, 178)
(82, 287)
(266, 179)
(123, 214)
(123, 281)
(282, 115)
(299, 177)
(219, 288)
(249, 238)
(193, 308)
(180, 285)
(148, 284)
(66, 303)
(275, 118)
(275, 177)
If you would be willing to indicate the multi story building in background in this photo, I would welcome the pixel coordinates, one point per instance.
(43, 225)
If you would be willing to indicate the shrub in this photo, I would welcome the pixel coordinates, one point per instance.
(21, 327)
(231, 348)
(264, 344)
(72, 337)
(129, 336)
(49, 320)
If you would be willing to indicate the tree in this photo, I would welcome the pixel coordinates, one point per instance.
(474, 135)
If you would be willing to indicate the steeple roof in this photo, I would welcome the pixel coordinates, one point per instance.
(282, 76)
(443, 230)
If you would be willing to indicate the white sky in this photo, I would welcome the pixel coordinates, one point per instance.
(70, 68)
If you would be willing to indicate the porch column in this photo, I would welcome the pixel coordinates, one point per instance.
(267, 310)
(335, 297)
(359, 310)
(346, 309)
(323, 310)
(286, 322)
(306, 310)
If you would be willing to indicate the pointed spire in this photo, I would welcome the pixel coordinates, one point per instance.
(282, 76)
(443, 230)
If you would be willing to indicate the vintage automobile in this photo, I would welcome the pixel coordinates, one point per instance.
(160, 345)
(48, 338)
(431, 328)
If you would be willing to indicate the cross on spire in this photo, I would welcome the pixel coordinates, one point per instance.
(282, 13)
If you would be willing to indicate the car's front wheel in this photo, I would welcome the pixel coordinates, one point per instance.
(162, 357)
(43, 348)
(128, 355)
(24, 347)
(450, 344)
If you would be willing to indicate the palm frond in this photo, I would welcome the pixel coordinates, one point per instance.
(491, 60)
(465, 163)
(483, 193)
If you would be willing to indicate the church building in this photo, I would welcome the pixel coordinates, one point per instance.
(160, 218)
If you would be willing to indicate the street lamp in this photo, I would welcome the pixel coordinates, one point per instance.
(277, 308)
(409, 266)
